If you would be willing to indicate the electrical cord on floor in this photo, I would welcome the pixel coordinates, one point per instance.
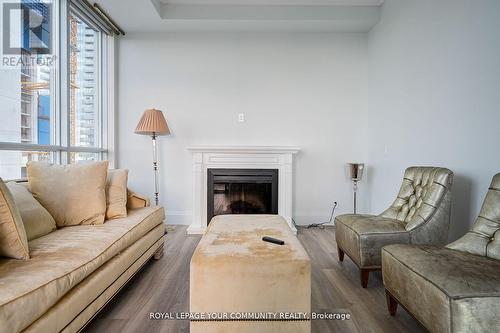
(320, 225)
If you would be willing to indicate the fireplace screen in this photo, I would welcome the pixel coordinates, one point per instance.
(242, 191)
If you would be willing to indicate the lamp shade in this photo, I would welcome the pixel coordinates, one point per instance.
(356, 170)
(152, 123)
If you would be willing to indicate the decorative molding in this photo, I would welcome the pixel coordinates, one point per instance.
(245, 149)
(275, 2)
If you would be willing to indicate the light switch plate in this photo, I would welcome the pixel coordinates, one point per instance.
(241, 117)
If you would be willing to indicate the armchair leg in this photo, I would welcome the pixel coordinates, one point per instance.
(392, 303)
(364, 275)
(341, 253)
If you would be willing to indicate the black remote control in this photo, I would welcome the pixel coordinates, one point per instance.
(273, 240)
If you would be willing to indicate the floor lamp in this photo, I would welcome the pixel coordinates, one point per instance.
(356, 174)
(153, 123)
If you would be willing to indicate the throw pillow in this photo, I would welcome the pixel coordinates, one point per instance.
(116, 194)
(13, 240)
(73, 194)
(36, 220)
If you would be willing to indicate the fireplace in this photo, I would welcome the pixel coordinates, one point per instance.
(241, 191)
(278, 158)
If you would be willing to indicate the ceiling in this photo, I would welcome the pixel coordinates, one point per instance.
(243, 15)
(277, 2)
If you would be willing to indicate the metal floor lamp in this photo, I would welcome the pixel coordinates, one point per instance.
(356, 174)
(153, 123)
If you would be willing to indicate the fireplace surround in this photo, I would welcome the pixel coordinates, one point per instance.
(278, 158)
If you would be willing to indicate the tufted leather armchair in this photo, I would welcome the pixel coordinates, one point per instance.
(454, 288)
(419, 215)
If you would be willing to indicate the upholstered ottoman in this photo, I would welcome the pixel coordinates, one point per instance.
(237, 275)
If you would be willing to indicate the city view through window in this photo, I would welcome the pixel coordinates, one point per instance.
(26, 93)
(29, 91)
(84, 98)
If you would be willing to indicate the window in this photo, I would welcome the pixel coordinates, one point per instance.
(44, 120)
(85, 108)
(46, 114)
(27, 90)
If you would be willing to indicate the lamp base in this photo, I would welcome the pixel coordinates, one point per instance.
(155, 168)
(354, 190)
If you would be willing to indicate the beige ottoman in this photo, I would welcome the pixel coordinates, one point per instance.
(235, 274)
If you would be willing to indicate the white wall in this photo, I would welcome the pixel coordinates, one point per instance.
(435, 98)
(298, 89)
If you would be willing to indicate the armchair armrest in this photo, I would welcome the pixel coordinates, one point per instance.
(135, 200)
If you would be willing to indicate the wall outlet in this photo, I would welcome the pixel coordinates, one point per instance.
(241, 117)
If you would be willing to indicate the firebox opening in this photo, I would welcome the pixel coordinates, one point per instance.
(242, 191)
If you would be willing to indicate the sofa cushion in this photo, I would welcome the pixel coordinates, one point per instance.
(116, 194)
(73, 194)
(363, 236)
(36, 220)
(61, 260)
(75, 308)
(13, 240)
(428, 279)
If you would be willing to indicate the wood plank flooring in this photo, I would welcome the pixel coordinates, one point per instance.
(163, 286)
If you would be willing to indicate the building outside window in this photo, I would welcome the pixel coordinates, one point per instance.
(36, 123)
(84, 80)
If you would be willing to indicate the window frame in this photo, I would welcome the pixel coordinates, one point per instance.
(60, 95)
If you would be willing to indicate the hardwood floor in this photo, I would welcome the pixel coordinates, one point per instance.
(163, 286)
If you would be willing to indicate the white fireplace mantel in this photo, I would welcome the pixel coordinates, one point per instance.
(241, 157)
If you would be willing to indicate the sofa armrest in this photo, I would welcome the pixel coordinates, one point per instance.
(135, 200)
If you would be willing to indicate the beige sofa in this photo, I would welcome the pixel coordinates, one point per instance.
(454, 288)
(74, 271)
(419, 215)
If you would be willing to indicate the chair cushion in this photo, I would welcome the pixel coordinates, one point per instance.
(36, 219)
(116, 194)
(61, 260)
(456, 273)
(73, 194)
(363, 236)
(440, 285)
(13, 240)
(370, 224)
